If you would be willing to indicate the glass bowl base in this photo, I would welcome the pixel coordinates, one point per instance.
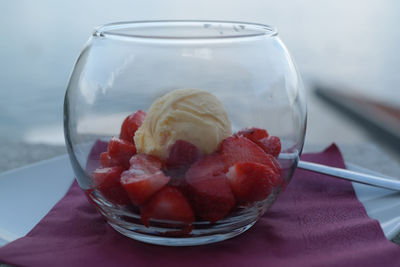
(127, 221)
(181, 241)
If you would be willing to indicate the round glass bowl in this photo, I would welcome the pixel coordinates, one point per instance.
(126, 67)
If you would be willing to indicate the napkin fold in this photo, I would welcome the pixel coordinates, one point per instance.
(316, 221)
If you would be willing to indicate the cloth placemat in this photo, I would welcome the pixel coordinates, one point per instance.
(316, 221)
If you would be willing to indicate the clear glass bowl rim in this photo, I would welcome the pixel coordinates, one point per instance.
(258, 30)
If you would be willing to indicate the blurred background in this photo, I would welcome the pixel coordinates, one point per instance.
(345, 50)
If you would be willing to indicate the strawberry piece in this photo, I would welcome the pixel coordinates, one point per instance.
(167, 204)
(182, 154)
(120, 151)
(147, 162)
(131, 124)
(240, 149)
(271, 145)
(144, 178)
(107, 161)
(252, 181)
(93, 160)
(208, 165)
(208, 188)
(107, 181)
(254, 134)
(274, 164)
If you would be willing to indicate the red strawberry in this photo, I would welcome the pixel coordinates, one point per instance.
(254, 134)
(271, 145)
(107, 161)
(274, 164)
(106, 180)
(120, 151)
(167, 204)
(182, 154)
(252, 181)
(208, 189)
(131, 124)
(240, 149)
(144, 161)
(208, 165)
(144, 178)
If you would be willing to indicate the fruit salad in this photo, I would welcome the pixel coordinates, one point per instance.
(157, 166)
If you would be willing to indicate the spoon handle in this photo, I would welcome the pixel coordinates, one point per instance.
(392, 184)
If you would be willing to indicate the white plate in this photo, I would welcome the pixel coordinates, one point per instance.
(27, 194)
(380, 204)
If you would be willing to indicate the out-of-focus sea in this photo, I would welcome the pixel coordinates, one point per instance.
(351, 43)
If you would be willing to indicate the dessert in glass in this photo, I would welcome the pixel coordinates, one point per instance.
(184, 132)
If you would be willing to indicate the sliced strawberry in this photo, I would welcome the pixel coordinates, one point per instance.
(107, 161)
(208, 189)
(254, 134)
(240, 149)
(145, 162)
(208, 165)
(144, 178)
(131, 124)
(93, 160)
(274, 164)
(182, 154)
(107, 181)
(252, 181)
(120, 151)
(271, 145)
(167, 204)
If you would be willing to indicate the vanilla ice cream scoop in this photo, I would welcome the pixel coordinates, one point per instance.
(195, 116)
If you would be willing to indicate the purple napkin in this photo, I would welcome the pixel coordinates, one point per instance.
(317, 221)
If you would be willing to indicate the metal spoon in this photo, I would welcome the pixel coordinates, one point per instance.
(392, 184)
